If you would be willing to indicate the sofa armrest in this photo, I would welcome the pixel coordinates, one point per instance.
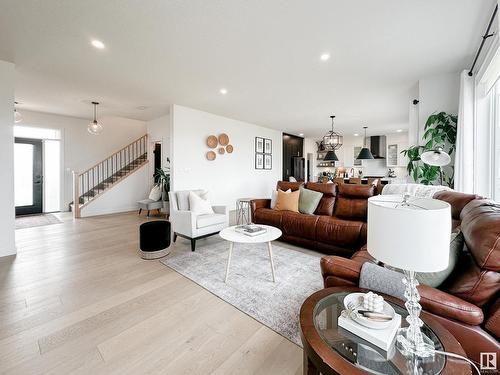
(343, 271)
(448, 306)
(258, 203)
(183, 222)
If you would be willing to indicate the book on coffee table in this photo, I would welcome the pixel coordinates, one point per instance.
(250, 230)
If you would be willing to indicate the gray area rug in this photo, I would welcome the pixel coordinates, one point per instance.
(250, 287)
(36, 221)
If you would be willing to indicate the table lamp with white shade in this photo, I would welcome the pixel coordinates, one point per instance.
(412, 234)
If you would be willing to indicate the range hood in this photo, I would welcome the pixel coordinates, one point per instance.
(378, 146)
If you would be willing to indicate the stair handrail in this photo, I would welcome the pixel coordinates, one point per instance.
(145, 136)
(116, 162)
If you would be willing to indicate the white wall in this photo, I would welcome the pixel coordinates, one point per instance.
(7, 241)
(122, 197)
(436, 94)
(80, 149)
(229, 176)
(158, 131)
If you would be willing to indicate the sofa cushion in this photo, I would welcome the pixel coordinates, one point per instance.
(481, 229)
(287, 201)
(299, 225)
(268, 216)
(345, 233)
(471, 283)
(308, 200)
(327, 202)
(352, 201)
(456, 200)
(207, 220)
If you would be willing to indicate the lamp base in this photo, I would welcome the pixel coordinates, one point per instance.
(408, 347)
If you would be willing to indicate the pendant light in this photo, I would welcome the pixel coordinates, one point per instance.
(332, 140)
(17, 116)
(94, 127)
(365, 153)
(331, 156)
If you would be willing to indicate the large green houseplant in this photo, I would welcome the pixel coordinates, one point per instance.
(440, 130)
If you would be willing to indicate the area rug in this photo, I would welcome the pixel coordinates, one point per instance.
(250, 287)
(36, 221)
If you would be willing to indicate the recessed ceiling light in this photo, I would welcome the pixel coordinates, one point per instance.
(223, 91)
(301, 134)
(356, 134)
(324, 56)
(98, 44)
(142, 107)
(399, 130)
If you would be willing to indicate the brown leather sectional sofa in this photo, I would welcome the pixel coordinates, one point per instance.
(338, 226)
(468, 303)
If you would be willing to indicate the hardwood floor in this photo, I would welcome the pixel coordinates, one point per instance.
(78, 299)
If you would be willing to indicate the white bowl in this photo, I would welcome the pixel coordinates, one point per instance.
(356, 300)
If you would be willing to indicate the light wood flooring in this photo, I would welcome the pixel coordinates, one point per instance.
(77, 299)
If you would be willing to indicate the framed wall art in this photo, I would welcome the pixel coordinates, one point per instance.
(259, 161)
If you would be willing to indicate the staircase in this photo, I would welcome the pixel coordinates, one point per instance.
(90, 184)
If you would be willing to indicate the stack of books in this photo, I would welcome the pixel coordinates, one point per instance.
(250, 230)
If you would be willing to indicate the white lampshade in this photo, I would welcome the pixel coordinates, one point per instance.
(437, 157)
(414, 237)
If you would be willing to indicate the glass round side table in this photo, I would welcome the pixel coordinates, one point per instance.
(330, 349)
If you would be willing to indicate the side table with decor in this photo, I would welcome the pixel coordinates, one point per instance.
(330, 349)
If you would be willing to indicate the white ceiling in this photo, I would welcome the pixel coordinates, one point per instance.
(265, 52)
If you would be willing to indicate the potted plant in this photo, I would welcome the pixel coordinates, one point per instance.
(440, 130)
(162, 178)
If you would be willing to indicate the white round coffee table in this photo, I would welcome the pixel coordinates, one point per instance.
(229, 234)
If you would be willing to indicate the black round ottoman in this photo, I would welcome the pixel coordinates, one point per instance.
(154, 239)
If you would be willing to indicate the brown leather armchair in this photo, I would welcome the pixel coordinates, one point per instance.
(468, 302)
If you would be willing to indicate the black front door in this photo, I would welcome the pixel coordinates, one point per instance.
(28, 171)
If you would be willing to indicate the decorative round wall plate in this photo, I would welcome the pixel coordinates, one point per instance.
(229, 149)
(221, 150)
(212, 141)
(211, 155)
(223, 139)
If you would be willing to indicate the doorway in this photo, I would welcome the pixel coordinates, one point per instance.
(28, 176)
(157, 160)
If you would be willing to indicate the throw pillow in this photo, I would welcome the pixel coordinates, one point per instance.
(198, 205)
(309, 200)
(274, 196)
(435, 279)
(287, 201)
(155, 193)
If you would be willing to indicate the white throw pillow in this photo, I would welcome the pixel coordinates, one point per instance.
(155, 193)
(198, 205)
(274, 197)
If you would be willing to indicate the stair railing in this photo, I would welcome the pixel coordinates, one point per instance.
(93, 181)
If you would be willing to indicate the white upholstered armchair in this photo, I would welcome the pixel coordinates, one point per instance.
(191, 226)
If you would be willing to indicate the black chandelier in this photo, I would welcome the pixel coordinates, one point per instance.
(332, 140)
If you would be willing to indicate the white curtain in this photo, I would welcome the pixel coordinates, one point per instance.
(464, 154)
